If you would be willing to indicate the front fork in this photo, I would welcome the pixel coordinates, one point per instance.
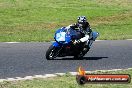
(58, 49)
(58, 52)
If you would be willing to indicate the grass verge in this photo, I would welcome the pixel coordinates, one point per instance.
(31, 20)
(66, 81)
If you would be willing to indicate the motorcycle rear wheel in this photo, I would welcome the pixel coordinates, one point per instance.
(79, 56)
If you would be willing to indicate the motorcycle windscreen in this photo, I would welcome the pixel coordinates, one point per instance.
(63, 37)
(60, 37)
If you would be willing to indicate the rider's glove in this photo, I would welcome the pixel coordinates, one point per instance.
(76, 42)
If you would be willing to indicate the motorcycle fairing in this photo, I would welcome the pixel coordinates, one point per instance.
(55, 44)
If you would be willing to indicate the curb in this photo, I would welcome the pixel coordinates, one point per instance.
(55, 75)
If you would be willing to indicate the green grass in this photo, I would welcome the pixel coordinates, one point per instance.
(31, 20)
(66, 81)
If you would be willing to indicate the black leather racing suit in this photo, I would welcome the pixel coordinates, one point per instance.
(85, 30)
(86, 33)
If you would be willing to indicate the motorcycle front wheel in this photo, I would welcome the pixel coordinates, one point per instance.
(51, 53)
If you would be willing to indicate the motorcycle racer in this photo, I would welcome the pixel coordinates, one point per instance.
(73, 40)
(84, 27)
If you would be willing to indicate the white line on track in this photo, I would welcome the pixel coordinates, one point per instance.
(99, 40)
(129, 39)
(53, 41)
(12, 42)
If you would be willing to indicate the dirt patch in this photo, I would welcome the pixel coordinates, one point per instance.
(110, 19)
(115, 2)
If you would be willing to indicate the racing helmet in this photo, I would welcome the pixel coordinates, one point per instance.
(82, 20)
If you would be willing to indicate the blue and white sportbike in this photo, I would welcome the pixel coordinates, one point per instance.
(64, 46)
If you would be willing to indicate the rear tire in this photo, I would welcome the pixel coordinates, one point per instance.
(79, 56)
(50, 54)
(85, 50)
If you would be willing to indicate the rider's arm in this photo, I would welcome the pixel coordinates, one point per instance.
(73, 26)
(87, 35)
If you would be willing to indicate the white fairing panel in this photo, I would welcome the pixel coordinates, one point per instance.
(84, 39)
(60, 36)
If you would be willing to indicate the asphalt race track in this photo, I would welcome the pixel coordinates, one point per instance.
(28, 59)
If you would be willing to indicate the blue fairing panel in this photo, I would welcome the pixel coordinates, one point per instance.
(95, 35)
(56, 44)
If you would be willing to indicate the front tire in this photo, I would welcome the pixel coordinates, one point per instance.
(50, 54)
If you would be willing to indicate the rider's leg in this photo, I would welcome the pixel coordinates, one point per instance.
(89, 43)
